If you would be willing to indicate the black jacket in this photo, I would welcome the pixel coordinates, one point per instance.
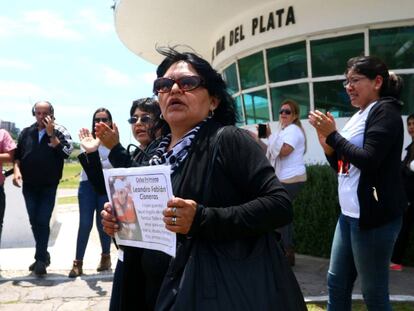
(379, 161)
(119, 157)
(242, 205)
(237, 212)
(143, 269)
(408, 174)
(40, 163)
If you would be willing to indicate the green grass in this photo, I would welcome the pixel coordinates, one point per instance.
(360, 306)
(67, 200)
(70, 177)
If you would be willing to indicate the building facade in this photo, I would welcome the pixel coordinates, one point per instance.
(9, 126)
(269, 51)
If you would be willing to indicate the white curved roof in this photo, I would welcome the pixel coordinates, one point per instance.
(143, 24)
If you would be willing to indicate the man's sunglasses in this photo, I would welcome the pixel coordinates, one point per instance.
(185, 83)
(145, 119)
(96, 120)
(285, 111)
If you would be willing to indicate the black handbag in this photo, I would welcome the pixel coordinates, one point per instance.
(250, 274)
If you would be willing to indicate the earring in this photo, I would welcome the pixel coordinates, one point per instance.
(211, 113)
(161, 116)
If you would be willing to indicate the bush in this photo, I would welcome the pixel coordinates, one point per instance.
(316, 211)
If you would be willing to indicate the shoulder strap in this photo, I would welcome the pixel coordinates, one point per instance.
(212, 160)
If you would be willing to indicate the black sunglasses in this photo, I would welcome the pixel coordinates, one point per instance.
(96, 120)
(285, 111)
(145, 119)
(185, 83)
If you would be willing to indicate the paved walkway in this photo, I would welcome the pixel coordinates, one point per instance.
(20, 290)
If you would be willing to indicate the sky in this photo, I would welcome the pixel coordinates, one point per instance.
(68, 52)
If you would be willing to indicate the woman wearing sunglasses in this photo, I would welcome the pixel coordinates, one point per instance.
(227, 202)
(147, 129)
(285, 152)
(366, 155)
(91, 202)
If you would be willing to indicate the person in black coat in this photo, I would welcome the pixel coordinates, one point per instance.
(147, 128)
(366, 155)
(39, 159)
(227, 202)
(407, 171)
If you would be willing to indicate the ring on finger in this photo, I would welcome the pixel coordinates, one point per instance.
(318, 123)
(173, 220)
(174, 210)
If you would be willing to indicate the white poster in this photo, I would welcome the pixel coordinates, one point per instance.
(138, 196)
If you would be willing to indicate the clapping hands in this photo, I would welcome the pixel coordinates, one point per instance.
(109, 137)
(87, 141)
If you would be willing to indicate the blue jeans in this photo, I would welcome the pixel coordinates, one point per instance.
(363, 253)
(89, 203)
(40, 201)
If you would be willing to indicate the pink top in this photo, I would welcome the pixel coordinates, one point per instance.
(6, 144)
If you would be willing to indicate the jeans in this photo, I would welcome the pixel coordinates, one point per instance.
(89, 203)
(2, 208)
(40, 201)
(363, 253)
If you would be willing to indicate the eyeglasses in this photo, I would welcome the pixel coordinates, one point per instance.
(96, 120)
(145, 119)
(352, 81)
(285, 111)
(185, 83)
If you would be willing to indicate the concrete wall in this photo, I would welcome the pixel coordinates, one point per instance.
(16, 227)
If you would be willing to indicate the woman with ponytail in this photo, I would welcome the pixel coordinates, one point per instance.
(366, 155)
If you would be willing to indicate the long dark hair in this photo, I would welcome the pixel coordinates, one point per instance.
(94, 115)
(225, 113)
(371, 66)
(151, 106)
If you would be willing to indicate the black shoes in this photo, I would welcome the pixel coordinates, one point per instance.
(39, 267)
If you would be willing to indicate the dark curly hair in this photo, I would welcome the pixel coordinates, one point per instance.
(225, 113)
(151, 106)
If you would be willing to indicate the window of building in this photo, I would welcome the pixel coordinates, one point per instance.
(239, 111)
(329, 56)
(251, 70)
(395, 46)
(328, 59)
(287, 62)
(331, 96)
(230, 76)
(296, 92)
(256, 107)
